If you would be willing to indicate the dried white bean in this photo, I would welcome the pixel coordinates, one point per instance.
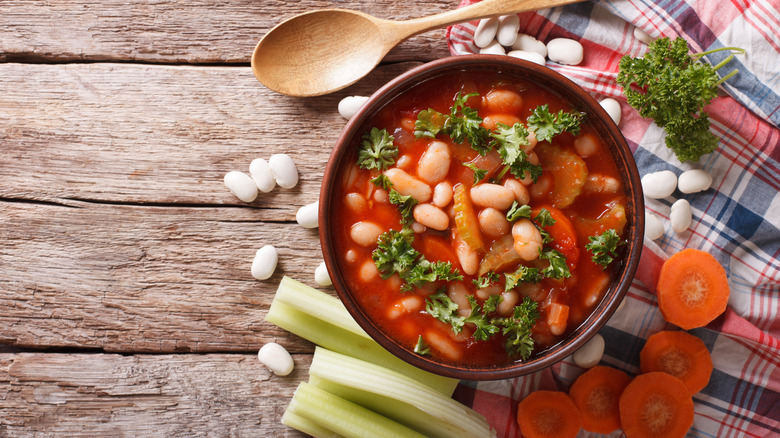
(431, 216)
(434, 163)
(442, 194)
(643, 36)
(681, 215)
(261, 174)
(659, 185)
(284, 170)
(485, 32)
(653, 226)
(508, 26)
(308, 215)
(492, 195)
(264, 263)
(321, 275)
(408, 185)
(528, 56)
(527, 43)
(365, 233)
(565, 51)
(276, 358)
(694, 180)
(494, 48)
(241, 185)
(350, 105)
(589, 355)
(612, 107)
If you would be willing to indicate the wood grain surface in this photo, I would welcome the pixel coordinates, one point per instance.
(127, 307)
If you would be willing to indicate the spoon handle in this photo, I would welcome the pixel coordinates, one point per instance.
(483, 9)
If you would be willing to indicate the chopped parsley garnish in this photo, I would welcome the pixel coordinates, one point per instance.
(485, 279)
(428, 124)
(479, 174)
(479, 317)
(441, 307)
(395, 254)
(604, 247)
(517, 211)
(523, 274)
(517, 328)
(669, 86)
(462, 124)
(405, 205)
(382, 181)
(546, 125)
(558, 267)
(509, 141)
(377, 150)
(420, 348)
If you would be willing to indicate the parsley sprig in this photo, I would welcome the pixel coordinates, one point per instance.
(546, 125)
(377, 150)
(405, 205)
(462, 124)
(509, 141)
(604, 247)
(671, 87)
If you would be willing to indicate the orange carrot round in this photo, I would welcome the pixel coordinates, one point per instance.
(597, 393)
(680, 354)
(546, 414)
(692, 289)
(564, 237)
(655, 405)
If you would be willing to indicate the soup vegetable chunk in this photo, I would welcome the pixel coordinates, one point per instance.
(480, 219)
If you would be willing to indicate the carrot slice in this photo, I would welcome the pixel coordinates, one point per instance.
(466, 219)
(569, 173)
(656, 405)
(548, 414)
(692, 289)
(680, 354)
(597, 393)
(502, 254)
(614, 218)
(563, 234)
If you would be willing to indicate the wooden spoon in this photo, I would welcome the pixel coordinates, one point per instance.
(323, 51)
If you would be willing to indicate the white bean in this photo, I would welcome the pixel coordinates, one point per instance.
(276, 358)
(408, 304)
(381, 196)
(241, 185)
(653, 226)
(418, 227)
(284, 170)
(612, 107)
(493, 222)
(365, 233)
(261, 174)
(492, 195)
(458, 294)
(589, 355)
(468, 258)
(487, 292)
(403, 162)
(308, 215)
(442, 194)
(694, 180)
(527, 43)
(659, 185)
(565, 51)
(350, 105)
(681, 215)
(643, 36)
(527, 239)
(508, 26)
(528, 56)
(431, 216)
(408, 185)
(368, 271)
(434, 163)
(587, 145)
(321, 275)
(264, 263)
(356, 202)
(509, 300)
(494, 48)
(521, 192)
(485, 32)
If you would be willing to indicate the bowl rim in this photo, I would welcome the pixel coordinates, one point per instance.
(624, 162)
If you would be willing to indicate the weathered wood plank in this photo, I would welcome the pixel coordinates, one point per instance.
(169, 31)
(144, 279)
(167, 395)
(130, 133)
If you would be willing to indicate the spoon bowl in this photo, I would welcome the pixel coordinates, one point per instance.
(323, 51)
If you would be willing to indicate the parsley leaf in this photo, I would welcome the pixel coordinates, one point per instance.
(465, 124)
(523, 274)
(479, 174)
(544, 218)
(428, 124)
(479, 317)
(517, 328)
(405, 205)
(485, 279)
(382, 181)
(517, 211)
(604, 247)
(377, 150)
(546, 125)
(441, 307)
(509, 141)
(558, 267)
(420, 348)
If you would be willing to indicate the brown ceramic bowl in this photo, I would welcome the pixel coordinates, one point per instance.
(512, 68)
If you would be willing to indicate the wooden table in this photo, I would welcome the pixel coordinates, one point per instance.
(127, 307)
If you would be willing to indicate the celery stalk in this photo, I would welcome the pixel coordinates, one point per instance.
(344, 417)
(306, 426)
(304, 320)
(395, 395)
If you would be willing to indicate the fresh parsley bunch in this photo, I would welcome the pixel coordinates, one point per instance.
(671, 87)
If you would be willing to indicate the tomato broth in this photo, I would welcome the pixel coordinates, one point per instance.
(535, 267)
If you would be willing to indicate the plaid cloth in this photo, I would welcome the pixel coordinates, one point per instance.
(737, 220)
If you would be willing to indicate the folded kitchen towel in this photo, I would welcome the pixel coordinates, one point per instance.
(737, 220)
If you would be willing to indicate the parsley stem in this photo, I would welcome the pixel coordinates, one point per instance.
(738, 50)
